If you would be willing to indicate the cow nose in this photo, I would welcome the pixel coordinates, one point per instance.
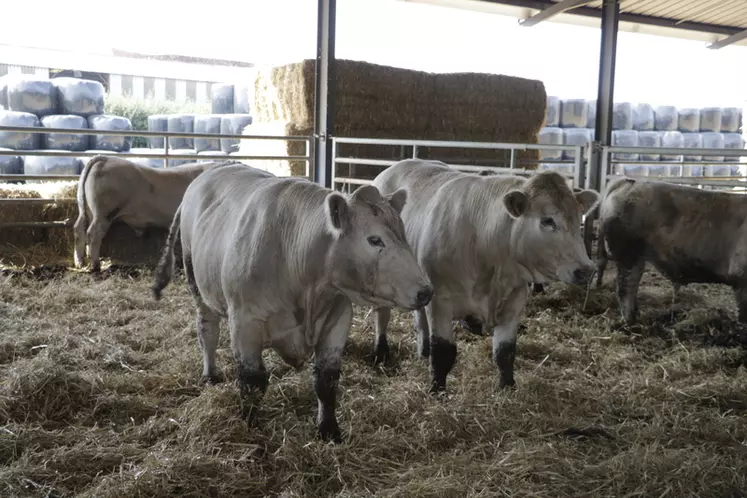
(581, 276)
(424, 296)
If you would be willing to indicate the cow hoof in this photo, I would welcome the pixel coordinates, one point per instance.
(509, 384)
(330, 431)
(381, 352)
(212, 379)
(437, 388)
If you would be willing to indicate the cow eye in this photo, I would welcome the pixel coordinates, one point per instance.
(547, 222)
(375, 241)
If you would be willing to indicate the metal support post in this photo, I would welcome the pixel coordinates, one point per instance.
(324, 92)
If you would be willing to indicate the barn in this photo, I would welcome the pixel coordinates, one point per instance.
(100, 389)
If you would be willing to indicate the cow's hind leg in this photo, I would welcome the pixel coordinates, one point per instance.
(443, 344)
(81, 238)
(628, 278)
(246, 342)
(504, 337)
(208, 330)
(740, 293)
(327, 360)
(381, 345)
(96, 233)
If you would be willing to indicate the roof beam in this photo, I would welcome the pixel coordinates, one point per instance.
(553, 10)
(728, 40)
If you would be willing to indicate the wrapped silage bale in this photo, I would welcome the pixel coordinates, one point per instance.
(710, 119)
(712, 140)
(3, 92)
(552, 112)
(733, 141)
(19, 140)
(146, 161)
(241, 99)
(115, 143)
(33, 95)
(10, 165)
(731, 119)
(574, 113)
(181, 123)
(207, 123)
(65, 141)
(179, 162)
(591, 121)
(649, 139)
(625, 138)
(51, 165)
(689, 120)
(221, 98)
(631, 169)
(233, 124)
(692, 141)
(550, 135)
(210, 153)
(671, 139)
(575, 136)
(666, 118)
(643, 117)
(78, 96)
(622, 116)
(157, 122)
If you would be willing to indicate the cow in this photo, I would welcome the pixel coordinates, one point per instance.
(115, 189)
(481, 240)
(689, 235)
(283, 260)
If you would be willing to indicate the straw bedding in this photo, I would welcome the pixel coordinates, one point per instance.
(99, 397)
(377, 101)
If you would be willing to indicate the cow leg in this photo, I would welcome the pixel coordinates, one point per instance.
(740, 293)
(327, 359)
(96, 233)
(381, 346)
(246, 342)
(81, 238)
(504, 336)
(538, 288)
(628, 278)
(423, 332)
(208, 329)
(443, 344)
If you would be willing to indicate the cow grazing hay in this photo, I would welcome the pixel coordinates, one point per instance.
(99, 398)
(375, 101)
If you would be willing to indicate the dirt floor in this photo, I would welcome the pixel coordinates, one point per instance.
(99, 397)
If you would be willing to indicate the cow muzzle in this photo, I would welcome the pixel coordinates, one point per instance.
(423, 297)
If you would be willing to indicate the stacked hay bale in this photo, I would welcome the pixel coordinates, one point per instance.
(375, 101)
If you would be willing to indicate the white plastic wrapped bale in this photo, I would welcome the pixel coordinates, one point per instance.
(78, 96)
(731, 119)
(733, 141)
(147, 161)
(550, 135)
(574, 113)
(622, 116)
(666, 118)
(689, 120)
(115, 143)
(179, 162)
(221, 98)
(210, 153)
(710, 119)
(207, 123)
(692, 141)
(591, 121)
(65, 141)
(649, 139)
(575, 136)
(625, 138)
(10, 165)
(643, 117)
(712, 140)
(631, 169)
(51, 165)
(233, 124)
(671, 139)
(3, 92)
(552, 112)
(241, 99)
(33, 95)
(19, 140)
(181, 123)
(157, 122)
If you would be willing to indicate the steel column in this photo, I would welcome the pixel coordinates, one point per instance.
(324, 92)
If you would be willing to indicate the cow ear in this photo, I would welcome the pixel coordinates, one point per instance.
(368, 193)
(588, 199)
(338, 213)
(516, 202)
(398, 199)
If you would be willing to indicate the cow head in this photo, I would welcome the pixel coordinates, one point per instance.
(546, 233)
(371, 260)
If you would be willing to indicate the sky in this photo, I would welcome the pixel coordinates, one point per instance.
(652, 69)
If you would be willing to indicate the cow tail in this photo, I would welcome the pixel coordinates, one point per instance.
(165, 269)
(81, 196)
(602, 256)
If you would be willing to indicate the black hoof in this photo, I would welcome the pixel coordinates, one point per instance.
(330, 431)
(509, 384)
(381, 352)
(212, 379)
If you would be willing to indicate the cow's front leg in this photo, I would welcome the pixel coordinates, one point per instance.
(423, 332)
(442, 342)
(327, 361)
(381, 346)
(628, 279)
(246, 341)
(504, 336)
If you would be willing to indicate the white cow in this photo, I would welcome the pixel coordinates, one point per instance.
(283, 259)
